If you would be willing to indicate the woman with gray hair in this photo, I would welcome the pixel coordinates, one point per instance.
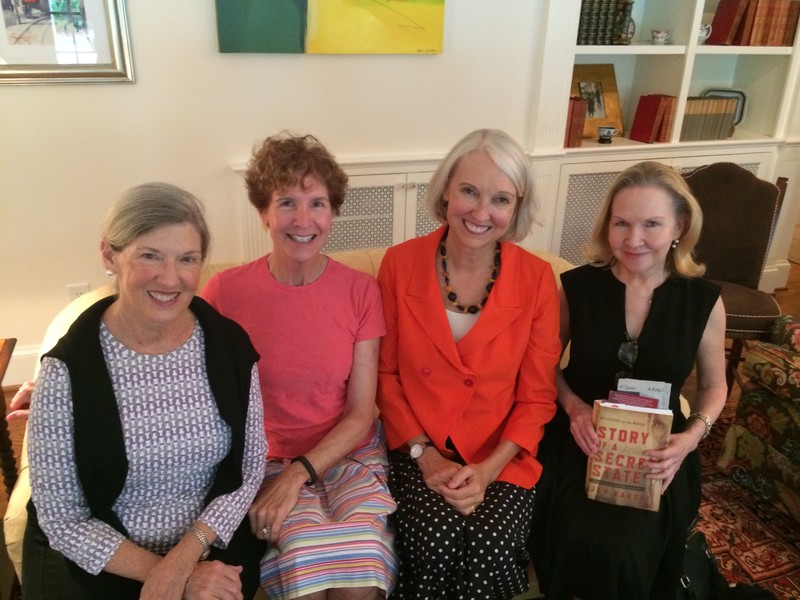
(146, 443)
(467, 376)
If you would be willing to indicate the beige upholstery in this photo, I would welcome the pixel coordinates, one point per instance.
(367, 260)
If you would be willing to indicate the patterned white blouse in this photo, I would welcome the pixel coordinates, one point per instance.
(174, 439)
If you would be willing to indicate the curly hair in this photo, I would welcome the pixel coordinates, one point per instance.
(286, 160)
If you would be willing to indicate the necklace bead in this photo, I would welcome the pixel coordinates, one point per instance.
(448, 289)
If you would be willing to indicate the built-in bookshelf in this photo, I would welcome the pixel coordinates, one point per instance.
(765, 75)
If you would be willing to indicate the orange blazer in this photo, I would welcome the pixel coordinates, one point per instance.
(497, 382)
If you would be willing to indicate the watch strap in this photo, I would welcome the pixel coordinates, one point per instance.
(201, 537)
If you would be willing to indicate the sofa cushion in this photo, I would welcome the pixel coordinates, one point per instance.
(776, 369)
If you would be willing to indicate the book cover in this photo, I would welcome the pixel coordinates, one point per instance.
(726, 21)
(759, 32)
(668, 122)
(692, 119)
(742, 37)
(791, 23)
(660, 390)
(776, 23)
(575, 122)
(617, 473)
(632, 399)
(647, 119)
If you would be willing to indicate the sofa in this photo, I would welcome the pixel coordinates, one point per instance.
(761, 449)
(366, 260)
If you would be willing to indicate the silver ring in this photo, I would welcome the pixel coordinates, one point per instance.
(266, 530)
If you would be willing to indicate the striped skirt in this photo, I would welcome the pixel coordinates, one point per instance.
(338, 535)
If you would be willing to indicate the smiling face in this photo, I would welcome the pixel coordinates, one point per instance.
(481, 201)
(299, 221)
(157, 274)
(641, 229)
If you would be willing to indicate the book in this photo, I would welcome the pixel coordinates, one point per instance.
(617, 472)
(726, 21)
(742, 37)
(667, 123)
(660, 390)
(776, 23)
(759, 32)
(728, 118)
(576, 118)
(648, 117)
(632, 399)
(791, 23)
(692, 119)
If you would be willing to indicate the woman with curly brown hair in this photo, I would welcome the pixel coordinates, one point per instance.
(317, 324)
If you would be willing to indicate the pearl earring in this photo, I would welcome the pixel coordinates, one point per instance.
(109, 272)
(675, 244)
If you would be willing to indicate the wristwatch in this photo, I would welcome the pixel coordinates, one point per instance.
(416, 450)
(201, 537)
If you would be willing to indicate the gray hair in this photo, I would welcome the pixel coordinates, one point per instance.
(509, 157)
(151, 205)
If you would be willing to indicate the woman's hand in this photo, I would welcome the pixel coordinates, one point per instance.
(582, 428)
(275, 501)
(664, 464)
(214, 580)
(21, 402)
(463, 487)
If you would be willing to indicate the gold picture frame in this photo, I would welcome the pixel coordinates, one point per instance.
(598, 84)
(64, 41)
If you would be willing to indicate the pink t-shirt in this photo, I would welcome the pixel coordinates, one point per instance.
(305, 336)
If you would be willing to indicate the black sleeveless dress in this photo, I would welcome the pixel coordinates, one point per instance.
(589, 549)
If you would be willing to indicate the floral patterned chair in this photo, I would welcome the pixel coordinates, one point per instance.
(761, 450)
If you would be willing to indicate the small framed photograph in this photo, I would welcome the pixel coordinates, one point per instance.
(64, 41)
(739, 95)
(598, 85)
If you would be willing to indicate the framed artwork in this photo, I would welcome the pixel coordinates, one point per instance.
(598, 85)
(64, 41)
(327, 27)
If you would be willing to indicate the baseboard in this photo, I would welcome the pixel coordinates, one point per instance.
(22, 365)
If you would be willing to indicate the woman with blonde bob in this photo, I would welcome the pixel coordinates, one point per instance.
(466, 376)
(637, 310)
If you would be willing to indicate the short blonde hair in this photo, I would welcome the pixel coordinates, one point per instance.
(509, 157)
(687, 211)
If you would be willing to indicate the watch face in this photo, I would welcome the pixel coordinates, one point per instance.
(416, 451)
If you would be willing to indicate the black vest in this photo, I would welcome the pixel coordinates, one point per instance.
(99, 445)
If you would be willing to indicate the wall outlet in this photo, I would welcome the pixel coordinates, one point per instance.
(75, 290)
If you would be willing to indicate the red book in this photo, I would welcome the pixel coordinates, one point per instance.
(573, 137)
(791, 23)
(758, 36)
(632, 399)
(742, 37)
(726, 21)
(646, 121)
(665, 130)
(776, 23)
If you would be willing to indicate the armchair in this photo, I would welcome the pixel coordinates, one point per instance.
(761, 449)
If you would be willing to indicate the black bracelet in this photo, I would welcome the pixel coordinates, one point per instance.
(312, 474)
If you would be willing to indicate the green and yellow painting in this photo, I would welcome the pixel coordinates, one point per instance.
(331, 26)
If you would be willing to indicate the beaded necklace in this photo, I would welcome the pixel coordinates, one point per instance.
(448, 289)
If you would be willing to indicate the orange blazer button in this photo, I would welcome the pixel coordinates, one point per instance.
(425, 371)
(469, 382)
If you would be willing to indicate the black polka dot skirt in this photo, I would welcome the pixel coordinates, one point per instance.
(444, 555)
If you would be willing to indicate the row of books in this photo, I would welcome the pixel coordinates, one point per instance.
(654, 118)
(576, 120)
(708, 118)
(755, 23)
(598, 21)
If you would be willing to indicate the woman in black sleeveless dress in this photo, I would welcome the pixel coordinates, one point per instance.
(642, 290)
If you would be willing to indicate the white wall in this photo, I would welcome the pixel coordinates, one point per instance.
(66, 151)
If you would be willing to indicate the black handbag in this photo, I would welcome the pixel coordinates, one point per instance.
(702, 580)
